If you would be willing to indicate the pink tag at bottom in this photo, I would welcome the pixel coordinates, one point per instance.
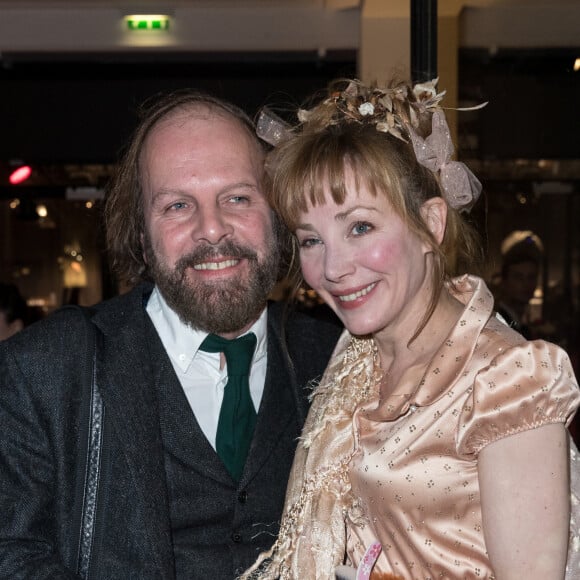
(365, 567)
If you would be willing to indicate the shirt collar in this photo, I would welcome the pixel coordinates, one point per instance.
(182, 341)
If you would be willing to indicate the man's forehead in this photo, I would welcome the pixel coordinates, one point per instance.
(237, 144)
(202, 113)
(206, 115)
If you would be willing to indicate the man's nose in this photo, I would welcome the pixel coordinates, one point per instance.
(212, 226)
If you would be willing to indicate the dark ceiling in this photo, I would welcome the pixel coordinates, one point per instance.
(58, 111)
(534, 102)
(62, 110)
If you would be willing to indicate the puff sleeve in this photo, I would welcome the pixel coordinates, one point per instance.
(524, 387)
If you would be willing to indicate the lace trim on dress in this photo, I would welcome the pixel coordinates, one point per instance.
(312, 538)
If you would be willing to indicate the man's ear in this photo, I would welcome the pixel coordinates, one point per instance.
(434, 214)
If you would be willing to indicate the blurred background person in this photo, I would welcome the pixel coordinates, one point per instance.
(13, 311)
(522, 253)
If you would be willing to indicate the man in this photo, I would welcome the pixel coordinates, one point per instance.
(111, 460)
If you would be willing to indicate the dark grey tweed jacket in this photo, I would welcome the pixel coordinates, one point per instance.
(44, 373)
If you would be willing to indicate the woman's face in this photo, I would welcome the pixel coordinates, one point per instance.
(363, 260)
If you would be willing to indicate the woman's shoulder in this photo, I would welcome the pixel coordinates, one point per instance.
(517, 385)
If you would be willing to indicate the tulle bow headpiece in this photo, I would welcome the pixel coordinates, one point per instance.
(394, 111)
(460, 186)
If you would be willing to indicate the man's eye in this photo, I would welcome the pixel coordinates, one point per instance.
(238, 199)
(177, 205)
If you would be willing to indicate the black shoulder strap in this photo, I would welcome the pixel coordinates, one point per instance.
(92, 429)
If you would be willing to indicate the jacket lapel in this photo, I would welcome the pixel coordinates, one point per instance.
(278, 409)
(136, 378)
(180, 430)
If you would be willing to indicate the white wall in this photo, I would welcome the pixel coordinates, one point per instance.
(275, 27)
(271, 25)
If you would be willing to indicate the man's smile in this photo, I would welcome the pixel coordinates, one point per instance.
(222, 265)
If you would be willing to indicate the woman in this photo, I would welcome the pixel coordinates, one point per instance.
(437, 430)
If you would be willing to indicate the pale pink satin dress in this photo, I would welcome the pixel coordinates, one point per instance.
(415, 468)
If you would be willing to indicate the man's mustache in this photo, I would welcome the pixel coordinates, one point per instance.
(209, 252)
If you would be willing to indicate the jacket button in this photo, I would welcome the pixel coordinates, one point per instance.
(237, 538)
(243, 496)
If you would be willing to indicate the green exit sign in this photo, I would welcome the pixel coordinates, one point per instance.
(147, 22)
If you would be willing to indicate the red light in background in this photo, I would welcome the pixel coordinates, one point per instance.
(19, 175)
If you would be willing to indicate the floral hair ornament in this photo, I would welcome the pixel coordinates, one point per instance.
(393, 111)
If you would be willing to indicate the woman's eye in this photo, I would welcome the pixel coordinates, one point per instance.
(361, 228)
(308, 242)
(177, 205)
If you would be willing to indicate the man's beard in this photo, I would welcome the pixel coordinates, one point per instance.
(221, 306)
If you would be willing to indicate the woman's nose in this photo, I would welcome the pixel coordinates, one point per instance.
(337, 263)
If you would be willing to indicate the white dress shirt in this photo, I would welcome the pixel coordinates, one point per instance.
(199, 372)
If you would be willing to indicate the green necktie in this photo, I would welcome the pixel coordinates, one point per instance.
(237, 415)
